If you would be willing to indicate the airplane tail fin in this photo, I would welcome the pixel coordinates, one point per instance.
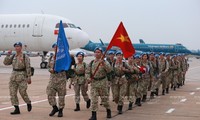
(141, 41)
(101, 41)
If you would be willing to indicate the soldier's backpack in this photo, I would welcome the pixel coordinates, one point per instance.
(32, 68)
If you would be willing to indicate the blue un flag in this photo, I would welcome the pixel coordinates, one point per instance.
(63, 59)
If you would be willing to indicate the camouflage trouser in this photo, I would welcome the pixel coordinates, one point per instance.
(168, 80)
(180, 78)
(138, 88)
(145, 82)
(131, 91)
(54, 88)
(14, 86)
(175, 79)
(119, 93)
(99, 88)
(153, 84)
(80, 88)
(164, 81)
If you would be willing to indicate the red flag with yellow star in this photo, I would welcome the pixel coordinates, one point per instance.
(122, 40)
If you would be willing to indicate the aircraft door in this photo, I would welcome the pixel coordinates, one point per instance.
(37, 27)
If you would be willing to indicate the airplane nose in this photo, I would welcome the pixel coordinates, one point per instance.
(84, 38)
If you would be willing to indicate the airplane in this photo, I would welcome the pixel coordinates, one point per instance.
(142, 46)
(38, 32)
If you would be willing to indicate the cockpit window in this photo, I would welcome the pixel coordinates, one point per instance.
(72, 25)
(64, 25)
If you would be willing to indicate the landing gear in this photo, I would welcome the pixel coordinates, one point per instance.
(43, 65)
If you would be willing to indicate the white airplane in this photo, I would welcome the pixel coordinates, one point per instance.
(38, 32)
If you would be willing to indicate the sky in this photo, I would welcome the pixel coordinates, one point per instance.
(154, 21)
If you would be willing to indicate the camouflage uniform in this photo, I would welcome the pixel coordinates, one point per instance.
(153, 77)
(146, 78)
(120, 83)
(57, 84)
(185, 67)
(99, 84)
(163, 70)
(169, 75)
(19, 76)
(180, 71)
(175, 67)
(79, 82)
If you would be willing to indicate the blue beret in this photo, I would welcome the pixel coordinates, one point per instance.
(80, 53)
(167, 54)
(137, 56)
(119, 52)
(161, 53)
(98, 48)
(156, 55)
(174, 56)
(18, 43)
(111, 52)
(55, 44)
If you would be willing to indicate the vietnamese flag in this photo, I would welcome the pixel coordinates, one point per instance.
(122, 40)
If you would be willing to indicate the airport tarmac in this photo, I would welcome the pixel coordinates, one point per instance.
(182, 104)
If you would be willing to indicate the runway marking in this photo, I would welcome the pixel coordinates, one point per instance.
(198, 88)
(6, 108)
(194, 68)
(183, 100)
(192, 93)
(170, 110)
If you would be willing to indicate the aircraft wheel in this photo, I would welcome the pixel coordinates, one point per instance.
(43, 65)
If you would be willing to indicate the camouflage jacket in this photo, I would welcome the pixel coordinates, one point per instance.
(18, 62)
(55, 77)
(101, 72)
(79, 73)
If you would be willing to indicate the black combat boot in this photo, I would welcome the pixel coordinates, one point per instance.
(136, 101)
(29, 107)
(156, 93)
(130, 106)
(77, 107)
(139, 102)
(152, 95)
(94, 116)
(172, 86)
(178, 85)
(167, 90)
(16, 111)
(144, 98)
(163, 92)
(108, 113)
(55, 110)
(60, 112)
(88, 103)
(120, 109)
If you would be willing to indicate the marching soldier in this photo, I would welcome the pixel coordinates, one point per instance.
(21, 75)
(132, 78)
(120, 81)
(164, 66)
(145, 77)
(138, 88)
(79, 81)
(169, 73)
(57, 84)
(99, 82)
(175, 67)
(153, 79)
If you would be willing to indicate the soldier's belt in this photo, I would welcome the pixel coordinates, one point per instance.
(101, 78)
(19, 70)
(80, 74)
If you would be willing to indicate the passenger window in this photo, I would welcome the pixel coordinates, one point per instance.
(15, 26)
(23, 26)
(6, 26)
(10, 26)
(28, 26)
(2, 26)
(19, 26)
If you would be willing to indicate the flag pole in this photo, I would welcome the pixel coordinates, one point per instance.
(92, 76)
